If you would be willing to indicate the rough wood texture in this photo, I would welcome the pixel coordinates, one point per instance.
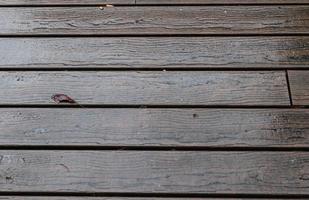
(155, 127)
(147, 87)
(154, 20)
(100, 2)
(71, 2)
(221, 2)
(155, 172)
(122, 198)
(163, 52)
(299, 83)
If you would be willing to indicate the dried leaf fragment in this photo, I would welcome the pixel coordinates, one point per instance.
(62, 98)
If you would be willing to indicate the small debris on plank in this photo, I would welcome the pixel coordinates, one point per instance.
(106, 6)
(62, 98)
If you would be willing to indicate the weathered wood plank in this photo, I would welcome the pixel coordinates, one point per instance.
(163, 52)
(299, 83)
(154, 20)
(120, 198)
(155, 172)
(69, 2)
(100, 2)
(147, 87)
(221, 2)
(155, 127)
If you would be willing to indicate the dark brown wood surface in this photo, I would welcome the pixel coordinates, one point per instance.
(155, 52)
(131, 2)
(155, 172)
(299, 83)
(155, 127)
(154, 20)
(146, 87)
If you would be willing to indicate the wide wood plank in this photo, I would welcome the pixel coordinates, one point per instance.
(299, 83)
(154, 20)
(146, 87)
(155, 172)
(155, 127)
(163, 52)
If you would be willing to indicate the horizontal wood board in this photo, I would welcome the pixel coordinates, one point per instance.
(154, 20)
(299, 83)
(146, 87)
(132, 2)
(155, 172)
(154, 127)
(153, 52)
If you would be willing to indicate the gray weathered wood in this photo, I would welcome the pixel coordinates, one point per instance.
(221, 2)
(146, 87)
(100, 2)
(121, 198)
(155, 172)
(155, 127)
(72, 2)
(154, 20)
(299, 83)
(163, 52)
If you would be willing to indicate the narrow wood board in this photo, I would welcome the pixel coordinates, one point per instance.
(154, 127)
(299, 83)
(131, 2)
(155, 172)
(121, 198)
(71, 2)
(226, 2)
(154, 20)
(153, 52)
(146, 87)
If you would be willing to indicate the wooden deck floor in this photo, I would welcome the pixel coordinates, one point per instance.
(154, 99)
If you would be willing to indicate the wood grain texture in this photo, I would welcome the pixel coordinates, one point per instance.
(155, 127)
(154, 20)
(129, 2)
(68, 2)
(299, 83)
(146, 87)
(121, 198)
(226, 2)
(155, 172)
(163, 52)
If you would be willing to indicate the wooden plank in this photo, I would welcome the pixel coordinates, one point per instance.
(151, 52)
(67, 2)
(299, 83)
(155, 127)
(100, 2)
(154, 20)
(226, 2)
(146, 87)
(155, 172)
(121, 198)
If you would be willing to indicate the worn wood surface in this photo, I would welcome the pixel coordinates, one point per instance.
(299, 83)
(155, 127)
(146, 87)
(73, 2)
(131, 2)
(154, 52)
(154, 20)
(221, 2)
(122, 198)
(155, 172)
